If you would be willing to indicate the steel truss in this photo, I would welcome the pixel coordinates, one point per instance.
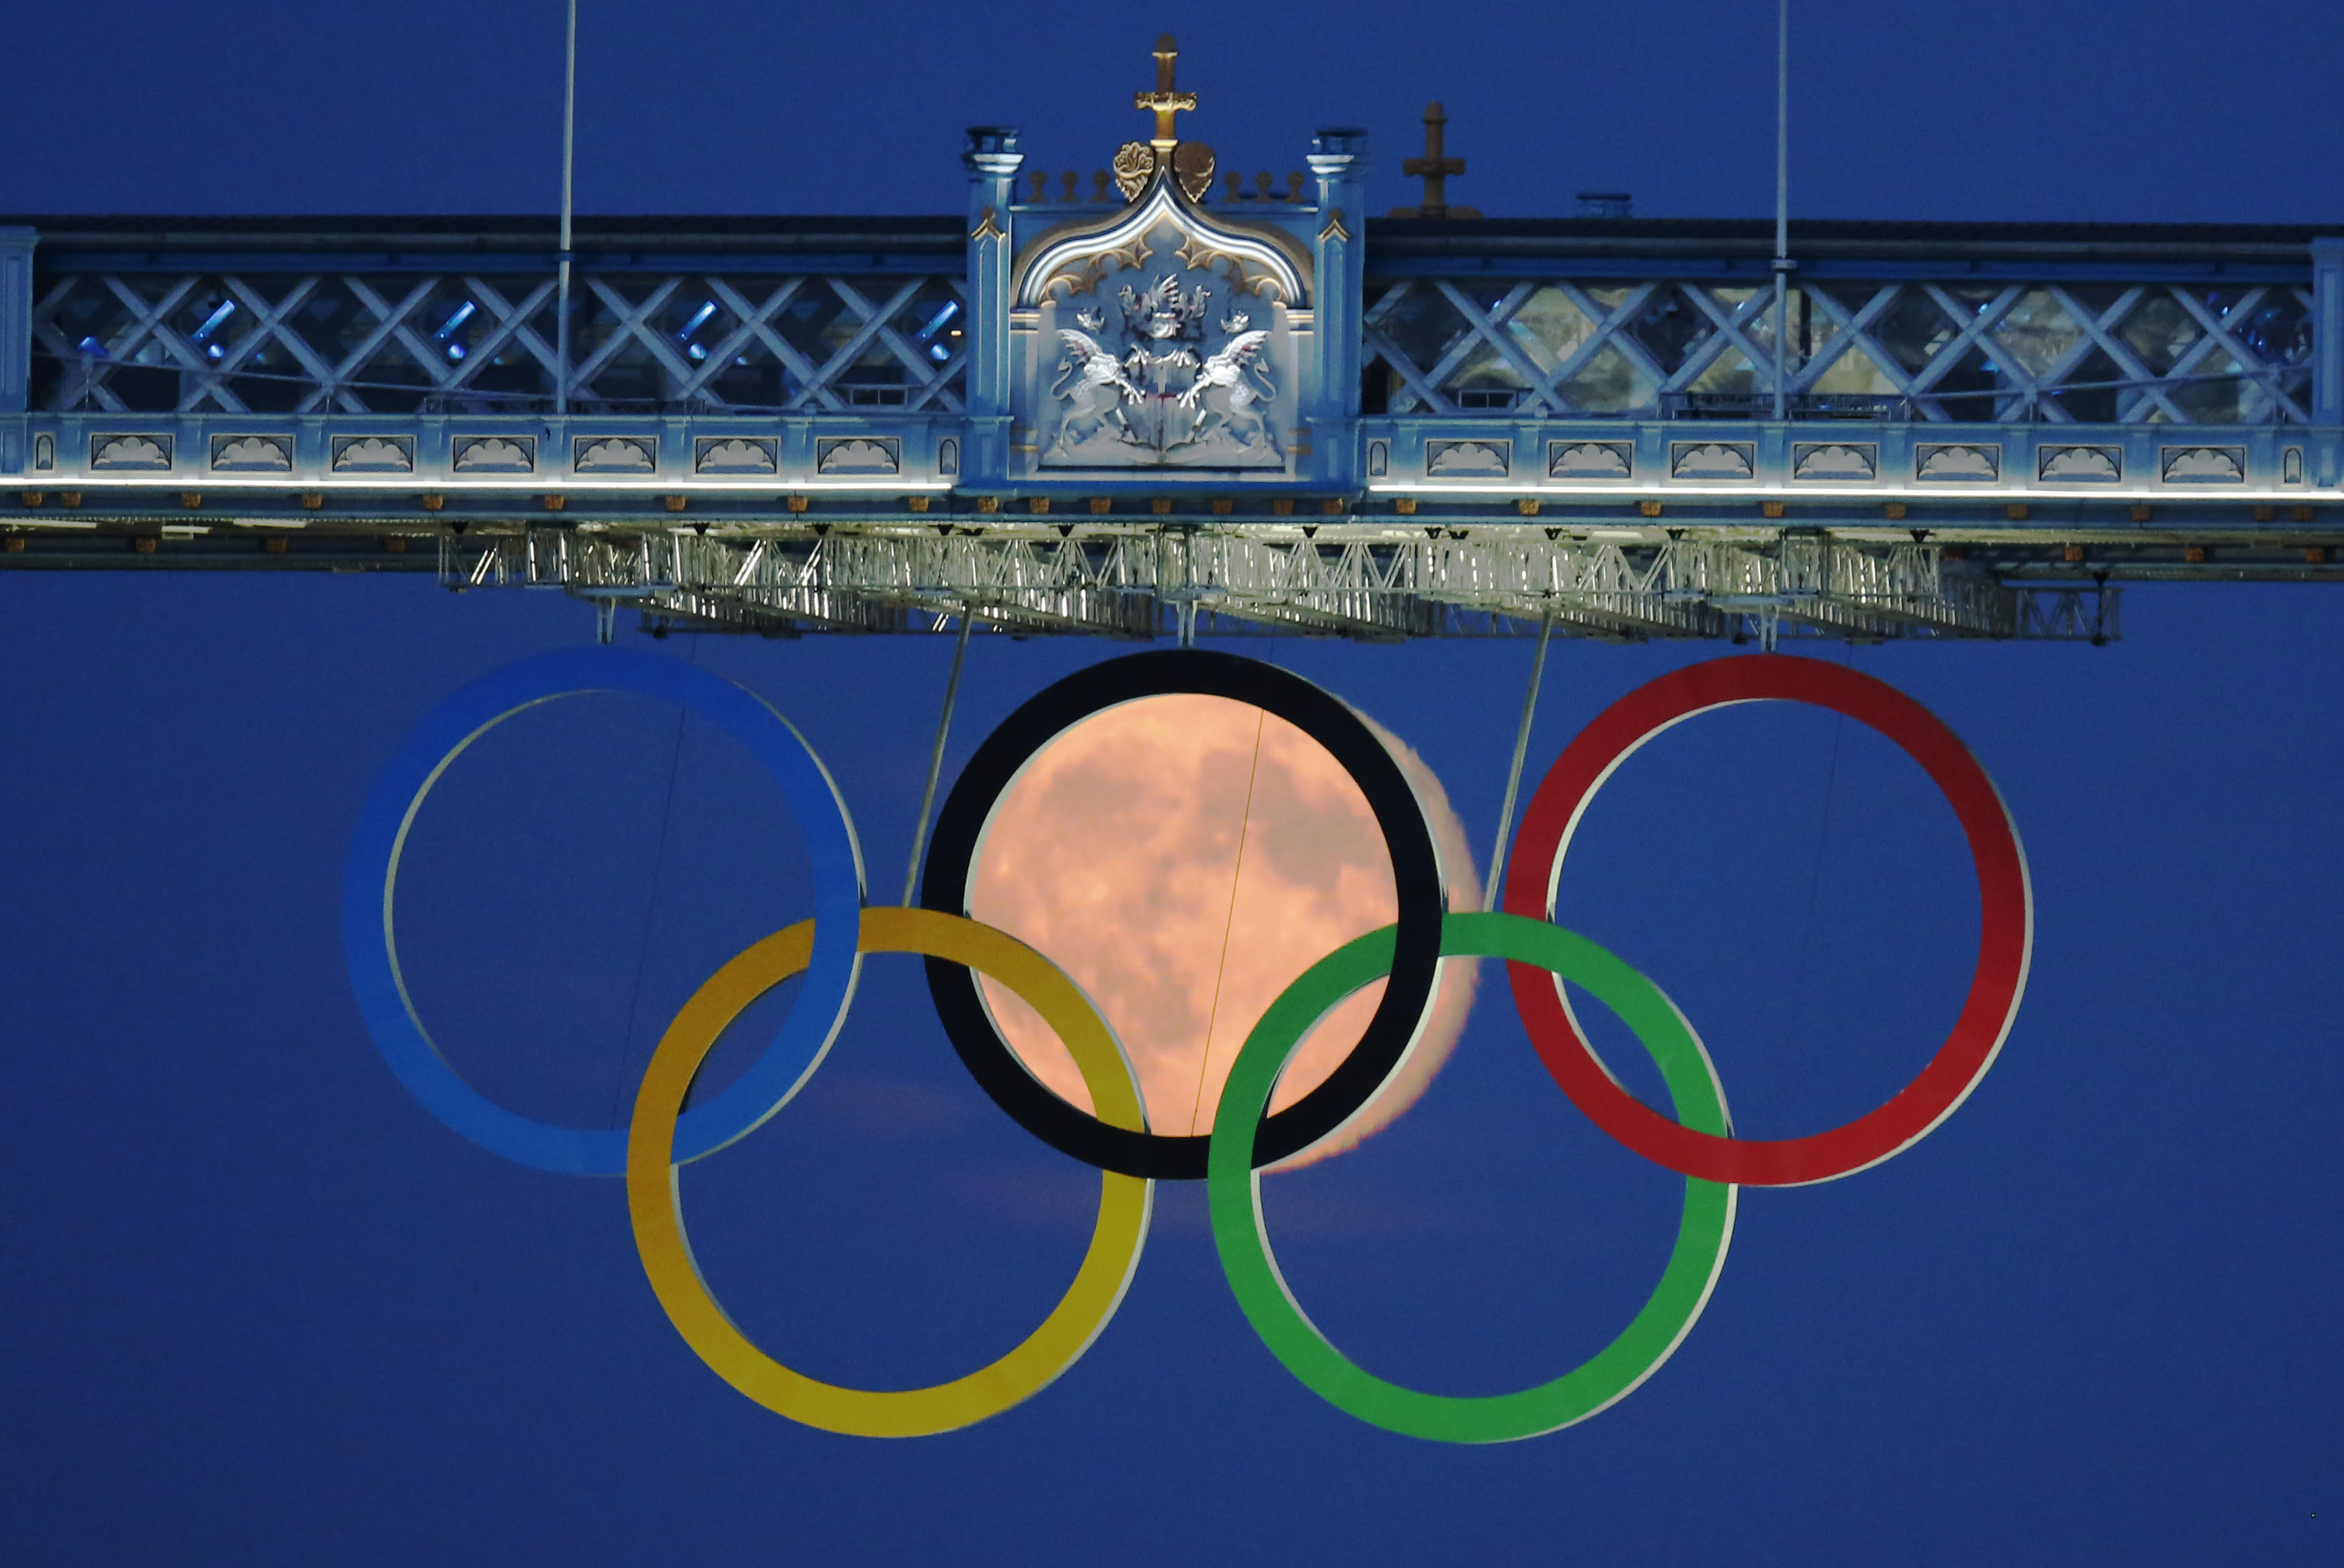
(1368, 584)
(1958, 349)
(354, 343)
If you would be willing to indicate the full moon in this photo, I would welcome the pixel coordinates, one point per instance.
(1184, 858)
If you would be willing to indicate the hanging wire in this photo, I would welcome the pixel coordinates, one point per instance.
(1521, 749)
(1781, 205)
(936, 757)
(568, 148)
(1245, 823)
(651, 910)
(1806, 946)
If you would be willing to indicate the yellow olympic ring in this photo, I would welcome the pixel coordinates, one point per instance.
(654, 1200)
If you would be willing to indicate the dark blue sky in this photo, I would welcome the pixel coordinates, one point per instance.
(263, 1309)
(2124, 110)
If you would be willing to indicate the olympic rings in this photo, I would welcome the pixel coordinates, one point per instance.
(1541, 958)
(2005, 942)
(654, 1203)
(1400, 1015)
(370, 882)
(1703, 1234)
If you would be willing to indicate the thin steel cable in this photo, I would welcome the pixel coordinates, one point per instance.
(569, 158)
(1521, 749)
(1782, 205)
(651, 908)
(1245, 823)
(936, 758)
(1799, 990)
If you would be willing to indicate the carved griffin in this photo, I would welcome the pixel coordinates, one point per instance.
(1241, 384)
(1096, 377)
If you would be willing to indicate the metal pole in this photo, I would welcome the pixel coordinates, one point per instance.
(568, 147)
(1521, 749)
(936, 757)
(1782, 205)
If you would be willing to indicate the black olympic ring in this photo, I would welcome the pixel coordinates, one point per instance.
(1417, 879)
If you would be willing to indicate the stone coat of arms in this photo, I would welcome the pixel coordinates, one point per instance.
(1164, 383)
(1163, 335)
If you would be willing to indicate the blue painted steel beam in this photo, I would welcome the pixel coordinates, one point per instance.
(1756, 270)
(284, 262)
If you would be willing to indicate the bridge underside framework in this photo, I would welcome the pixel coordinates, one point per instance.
(787, 428)
(1364, 582)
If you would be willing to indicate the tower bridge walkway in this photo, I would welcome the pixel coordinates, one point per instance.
(1312, 420)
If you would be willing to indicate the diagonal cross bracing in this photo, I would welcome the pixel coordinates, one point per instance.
(1733, 319)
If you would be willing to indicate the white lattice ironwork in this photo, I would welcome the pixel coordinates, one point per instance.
(1950, 351)
(1139, 582)
(359, 343)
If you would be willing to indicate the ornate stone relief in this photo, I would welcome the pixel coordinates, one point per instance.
(1713, 459)
(1963, 463)
(1162, 336)
(1590, 459)
(1468, 459)
(734, 454)
(374, 454)
(252, 454)
(112, 454)
(1135, 363)
(1152, 379)
(614, 454)
(2080, 465)
(495, 454)
(1835, 460)
(2203, 465)
(858, 455)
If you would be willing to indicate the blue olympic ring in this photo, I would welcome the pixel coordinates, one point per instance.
(370, 882)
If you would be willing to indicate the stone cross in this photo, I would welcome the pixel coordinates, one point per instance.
(1434, 168)
(1163, 101)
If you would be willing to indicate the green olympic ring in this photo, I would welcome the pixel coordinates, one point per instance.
(1234, 1190)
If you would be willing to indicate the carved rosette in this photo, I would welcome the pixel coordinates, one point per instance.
(1135, 165)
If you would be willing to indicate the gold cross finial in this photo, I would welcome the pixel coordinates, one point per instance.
(1435, 168)
(1166, 102)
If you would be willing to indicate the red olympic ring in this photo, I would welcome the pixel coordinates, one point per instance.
(2006, 940)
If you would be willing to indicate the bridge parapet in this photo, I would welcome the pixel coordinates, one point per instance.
(754, 359)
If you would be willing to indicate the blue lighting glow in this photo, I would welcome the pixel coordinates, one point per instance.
(936, 321)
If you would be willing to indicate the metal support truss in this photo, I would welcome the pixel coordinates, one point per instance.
(1952, 350)
(1372, 585)
(349, 343)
